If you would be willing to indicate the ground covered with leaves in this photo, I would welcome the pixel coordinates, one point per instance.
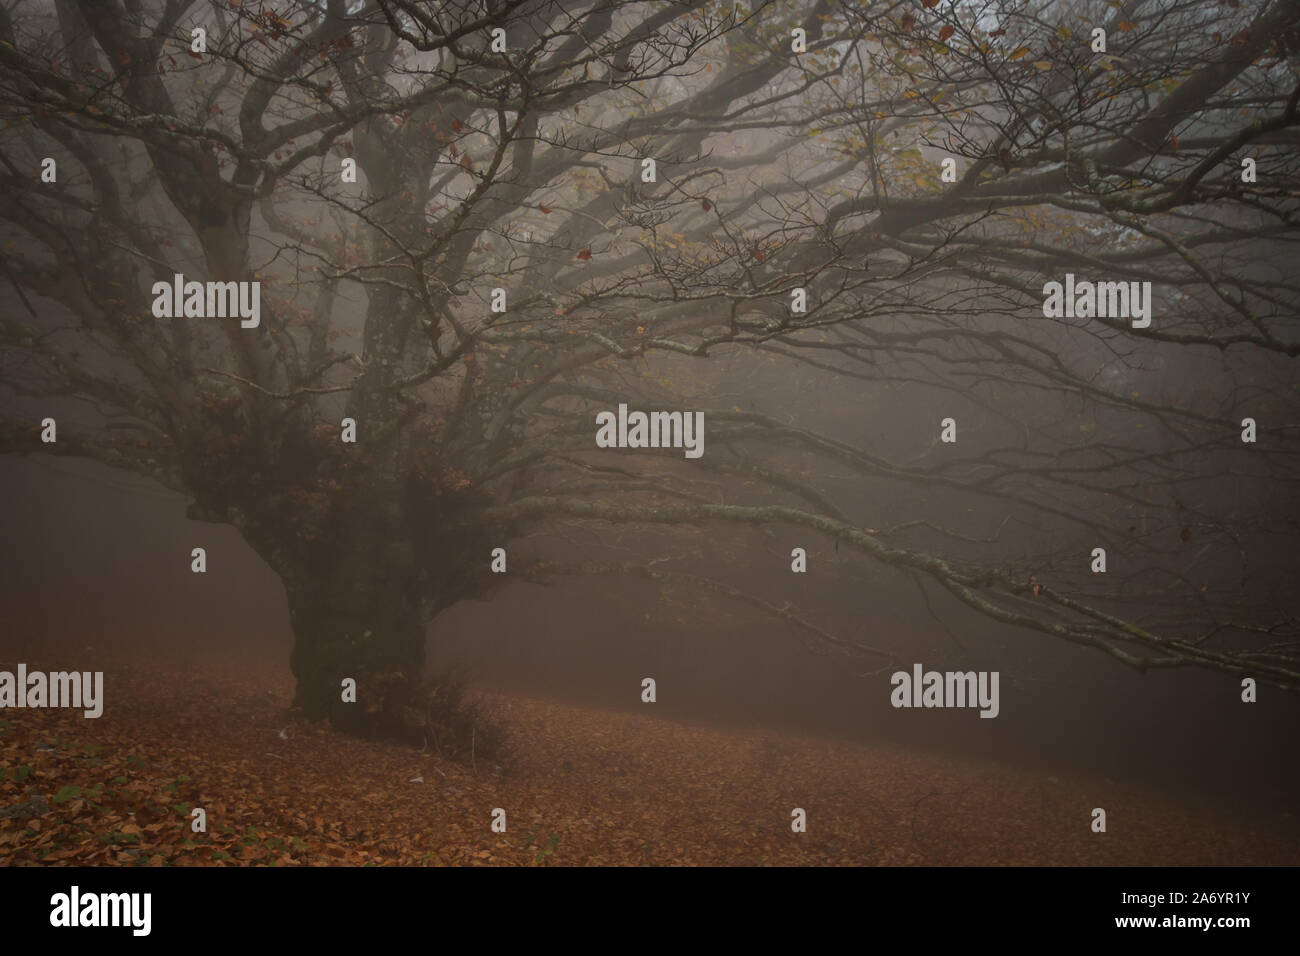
(584, 787)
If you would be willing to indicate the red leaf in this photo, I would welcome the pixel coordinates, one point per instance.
(456, 126)
(998, 32)
(930, 4)
(545, 211)
(706, 204)
(585, 254)
(947, 31)
(1185, 535)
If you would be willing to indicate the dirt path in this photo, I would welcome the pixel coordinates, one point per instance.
(589, 787)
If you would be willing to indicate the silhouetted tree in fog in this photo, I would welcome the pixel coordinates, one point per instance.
(506, 263)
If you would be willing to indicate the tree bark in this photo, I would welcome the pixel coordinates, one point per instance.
(372, 632)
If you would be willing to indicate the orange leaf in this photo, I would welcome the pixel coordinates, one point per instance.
(947, 31)
(543, 210)
(1126, 25)
(585, 254)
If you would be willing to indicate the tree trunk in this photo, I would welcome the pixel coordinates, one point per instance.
(371, 631)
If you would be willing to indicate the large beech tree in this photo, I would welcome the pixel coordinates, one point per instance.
(501, 145)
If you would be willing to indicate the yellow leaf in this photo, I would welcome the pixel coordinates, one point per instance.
(1043, 64)
(1063, 32)
(1018, 53)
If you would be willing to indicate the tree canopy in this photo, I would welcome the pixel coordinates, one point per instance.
(477, 225)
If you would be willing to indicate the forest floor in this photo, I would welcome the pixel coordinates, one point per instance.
(587, 787)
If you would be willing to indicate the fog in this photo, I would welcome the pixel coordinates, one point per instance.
(341, 350)
(95, 559)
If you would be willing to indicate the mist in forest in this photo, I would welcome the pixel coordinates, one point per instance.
(98, 560)
(879, 410)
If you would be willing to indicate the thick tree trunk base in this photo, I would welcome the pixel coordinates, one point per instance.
(378, 648)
